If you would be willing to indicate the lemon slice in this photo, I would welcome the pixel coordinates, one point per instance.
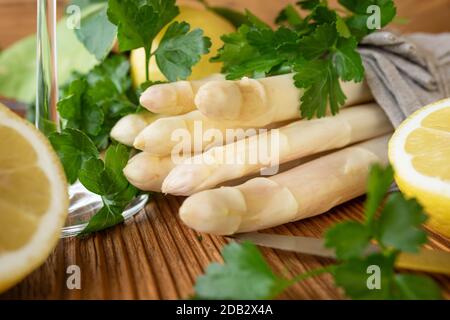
(33, 198)
(419, 151)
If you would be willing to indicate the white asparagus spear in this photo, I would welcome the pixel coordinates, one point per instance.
(147, 172)
(127, 129)
(264, 100)
(294, 141)
(174, 98)
(305, 191)
(162, 137)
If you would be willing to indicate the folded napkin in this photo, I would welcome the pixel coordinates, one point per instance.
(406, 72)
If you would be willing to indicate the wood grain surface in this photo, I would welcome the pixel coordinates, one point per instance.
(153, 255)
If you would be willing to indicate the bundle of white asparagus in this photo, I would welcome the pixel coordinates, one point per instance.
(271, 103)
(294, 141)
(302, 192)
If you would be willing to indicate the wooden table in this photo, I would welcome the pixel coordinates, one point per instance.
(154, 256)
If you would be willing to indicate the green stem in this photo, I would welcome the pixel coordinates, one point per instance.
(148, 55)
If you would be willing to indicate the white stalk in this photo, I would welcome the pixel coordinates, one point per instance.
(147, 172)
(261, 101)
(127, 129)
(173, 98)
(294, 141)
(305, 191)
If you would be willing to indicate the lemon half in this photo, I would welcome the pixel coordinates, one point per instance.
(33, 198)
(419, 151)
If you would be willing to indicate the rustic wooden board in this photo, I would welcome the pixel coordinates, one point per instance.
(153, 255)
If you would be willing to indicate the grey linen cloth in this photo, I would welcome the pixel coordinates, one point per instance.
(406, 72)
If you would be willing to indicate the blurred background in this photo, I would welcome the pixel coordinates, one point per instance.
(18, 20)
(18, 17)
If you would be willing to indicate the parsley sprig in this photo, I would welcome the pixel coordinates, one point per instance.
(397, 228)
(320, 48)
(136, 24)
(93, 103)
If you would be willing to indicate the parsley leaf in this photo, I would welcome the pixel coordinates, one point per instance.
(106, 217)
(353, 277)
(244, 275)
(347, 61)
(290, 16)
(319, 42)
(322, 87)
(180, 50)
(359, 21)
(348, 247)
(399, 224)
(74, 148)
(415, 287)
(139, 22)
(96, 32)
(322, 35)
(93, 103)
(380, 179)
(308, 4)
(106, 178)
(79, 111)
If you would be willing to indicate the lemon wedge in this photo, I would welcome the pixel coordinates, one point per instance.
(419, 151)
(33, 198)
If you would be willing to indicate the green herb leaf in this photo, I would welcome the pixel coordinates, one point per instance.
(318, 42)
(180, 50)
(322, 88)
(308, 4)
(106, 178)
(79, 111)
(379, 182)
(358, 23)
(112, 74)
(347, 61)
(415, 287)
(94, 176)
(116, 159)
(399, 225)
(349, 239)
(96, 32)
(323, 15)
(139, 22)
(342, 28)
(244, 275)
(95, 102)
(354, 276)
(74, 148)
(106, 217)
(290, 16)
(257, 50)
